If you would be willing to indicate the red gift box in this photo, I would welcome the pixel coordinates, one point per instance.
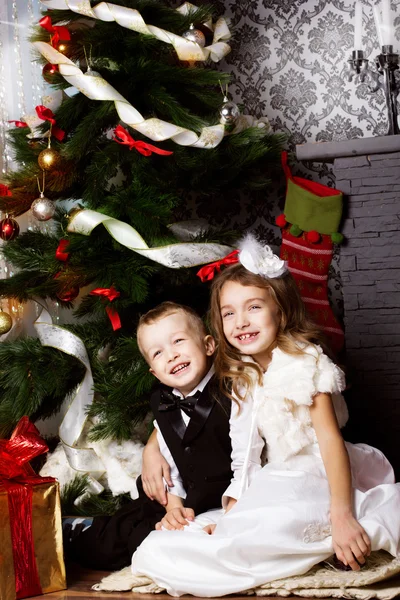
(31, 556)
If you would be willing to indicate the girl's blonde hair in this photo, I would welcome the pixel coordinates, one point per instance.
(236, 375)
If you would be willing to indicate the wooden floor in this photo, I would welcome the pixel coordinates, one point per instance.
(81, 580)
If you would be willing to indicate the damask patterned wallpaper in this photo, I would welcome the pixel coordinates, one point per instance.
(288, 62)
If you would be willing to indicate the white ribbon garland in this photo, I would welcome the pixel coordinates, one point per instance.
(97, 88)
(132, 19)
(71, 428)
(174, 256)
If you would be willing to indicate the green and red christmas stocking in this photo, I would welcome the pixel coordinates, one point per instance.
(309, 226)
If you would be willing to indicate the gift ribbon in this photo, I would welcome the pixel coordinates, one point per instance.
(46, 114)
(122, 136)
(132, 19)
(61, 251)
(207, 273)
(17, 478)
(110, 294)
(60, 32)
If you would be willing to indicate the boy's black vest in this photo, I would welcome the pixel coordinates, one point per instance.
(203, 456)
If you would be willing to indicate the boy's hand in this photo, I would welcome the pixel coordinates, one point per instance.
(176, 518)
(350, 542)
(154, 469)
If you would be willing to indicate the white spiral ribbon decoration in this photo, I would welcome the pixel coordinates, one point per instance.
(174, 256)
(97, 88)
(130, 18)
(71, 428)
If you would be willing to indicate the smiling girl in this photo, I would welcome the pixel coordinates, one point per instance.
(317, 495)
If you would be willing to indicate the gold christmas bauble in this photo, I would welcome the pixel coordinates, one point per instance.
(5, 322)
(49, 159)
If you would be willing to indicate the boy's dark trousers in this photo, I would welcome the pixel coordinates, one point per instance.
(203, 458)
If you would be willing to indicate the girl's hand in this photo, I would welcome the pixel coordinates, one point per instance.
(350, 541)
(176, 518)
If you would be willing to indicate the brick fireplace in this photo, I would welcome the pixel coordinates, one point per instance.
(367, 171)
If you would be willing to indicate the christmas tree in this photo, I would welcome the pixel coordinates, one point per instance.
(142, 128)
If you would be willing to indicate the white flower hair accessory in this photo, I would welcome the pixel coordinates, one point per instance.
(259, 258)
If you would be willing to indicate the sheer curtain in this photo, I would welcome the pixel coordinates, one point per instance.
(21, 89)
(21, 83)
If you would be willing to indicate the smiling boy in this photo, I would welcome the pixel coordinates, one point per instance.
(191, 432)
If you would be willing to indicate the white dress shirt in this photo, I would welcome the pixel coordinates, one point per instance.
(178, 489)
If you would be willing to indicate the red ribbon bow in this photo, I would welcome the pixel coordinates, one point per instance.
(207, 273)
(5, 190)
(17, 477)
(46, 114)
(109, 293)
(61, 252)
(123, 137)
(60, 32)
(15, 453)
(19, 123)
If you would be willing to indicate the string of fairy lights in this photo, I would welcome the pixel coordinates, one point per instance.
(21, 89)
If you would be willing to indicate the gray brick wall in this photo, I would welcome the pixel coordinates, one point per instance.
(370, 269)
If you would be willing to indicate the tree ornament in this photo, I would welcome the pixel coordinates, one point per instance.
(49, 158)
(91, 73)
(5, 322)
(43, 209)
(281, 220)
(9, 229)
(69, 295)
(313, 236)
(48, 72)
(89, 62)
(295, 230)
(229, 112)
(195, 35)
(337, 238)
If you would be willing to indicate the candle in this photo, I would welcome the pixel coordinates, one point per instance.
(358, 26)
(378, 24)
(387, 23)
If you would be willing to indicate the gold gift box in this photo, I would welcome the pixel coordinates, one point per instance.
(47, 539)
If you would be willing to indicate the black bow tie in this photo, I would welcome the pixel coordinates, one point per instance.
(170, 401)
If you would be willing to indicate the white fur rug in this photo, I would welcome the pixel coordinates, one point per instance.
(322, 581)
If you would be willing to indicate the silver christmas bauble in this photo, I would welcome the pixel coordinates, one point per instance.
(43, 209)
(194, 35)
(229, 112)
(91, 73)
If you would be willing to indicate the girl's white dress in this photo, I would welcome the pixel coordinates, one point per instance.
(280, 525)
